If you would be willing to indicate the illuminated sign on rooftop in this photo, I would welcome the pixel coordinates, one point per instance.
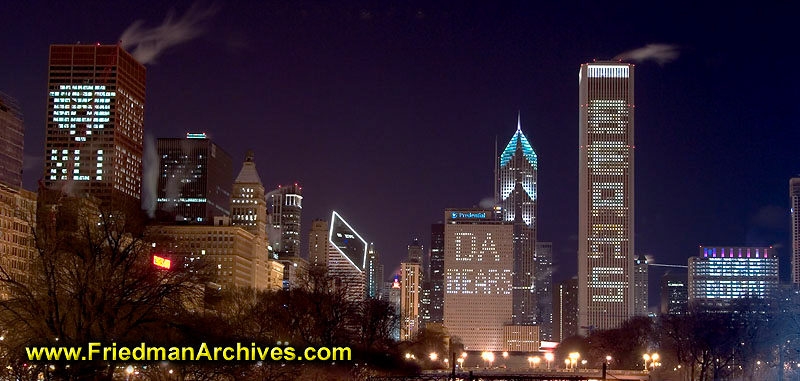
(195, 135)
(455, 215)
(164, 263)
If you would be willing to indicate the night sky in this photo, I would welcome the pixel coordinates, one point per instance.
(388, 111)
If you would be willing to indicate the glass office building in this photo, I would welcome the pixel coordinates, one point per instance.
(719, 275)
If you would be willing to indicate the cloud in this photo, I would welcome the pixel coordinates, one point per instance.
(146, 44)
(660, 53)
(486, 203)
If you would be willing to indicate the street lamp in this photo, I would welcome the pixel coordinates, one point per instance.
(583, 362)
(566, 363)
(433, 356)
(646, 358)
(549, 357)
(460, 362)
(573, 357)
(491, 359)
(463, 355)
(129, 371)
(536, 360)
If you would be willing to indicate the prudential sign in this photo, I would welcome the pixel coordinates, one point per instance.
(456, 215)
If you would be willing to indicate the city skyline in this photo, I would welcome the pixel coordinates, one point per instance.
(548, 105)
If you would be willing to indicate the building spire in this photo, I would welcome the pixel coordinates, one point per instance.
(519, 121)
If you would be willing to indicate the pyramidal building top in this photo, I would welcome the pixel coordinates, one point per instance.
(519, 142)
(249, 174)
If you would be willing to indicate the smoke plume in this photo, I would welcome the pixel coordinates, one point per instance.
(660, 53)
(146, 44)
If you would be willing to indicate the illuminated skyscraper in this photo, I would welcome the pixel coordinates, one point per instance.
(516, 194)
(95, 121)
(248, 204)
(437, 273)
(410, 292)
(543, 284)
(565, 309)
(478, 263)
(605, 195)
(374, 272)
(674, 294)
(285, 209)
(347, 258)
(794, 197)
(195, 179)
(12, 141)
(640, 286)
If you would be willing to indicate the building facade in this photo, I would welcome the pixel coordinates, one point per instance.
(17, 240)
(415, 250)
(318, 243)
(606, 195)
(195, 179)
(248, 202)
(516, 194)
(794, 199)
(478, 263)
(436, 273)
(543, 284)
(12, 142)
(95, 121)
(230, 254)
(425, 301)
(295, 272)
(521, 338)
(410, 292)
(285, 210)
(565, 309)
(640, 285)
(374, 272)
(674, 294)
(347, 258)
(719, 275)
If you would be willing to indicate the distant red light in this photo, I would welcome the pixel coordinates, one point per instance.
(164, 263)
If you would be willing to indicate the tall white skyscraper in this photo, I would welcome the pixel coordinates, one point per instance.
(516, 194)
(794, 195)
(605, 194)
(478, 263)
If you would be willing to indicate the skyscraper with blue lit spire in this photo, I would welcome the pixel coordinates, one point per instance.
(516, 195)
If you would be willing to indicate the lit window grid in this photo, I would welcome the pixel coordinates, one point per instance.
(607, 141)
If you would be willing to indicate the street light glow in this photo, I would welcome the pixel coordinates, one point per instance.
(433, 356)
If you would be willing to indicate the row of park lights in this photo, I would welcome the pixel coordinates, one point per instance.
(653, 358)
(571, 362)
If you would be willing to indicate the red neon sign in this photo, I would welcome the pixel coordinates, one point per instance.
(164, 263)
